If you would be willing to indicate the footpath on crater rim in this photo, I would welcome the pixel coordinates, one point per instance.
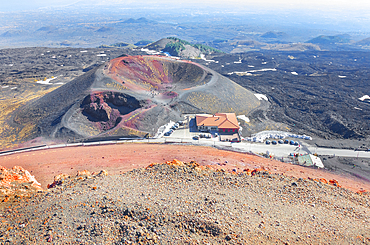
(186, 203)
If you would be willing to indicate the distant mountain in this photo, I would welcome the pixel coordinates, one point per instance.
(247, 43)
(48, 28)
(275, 35)
(118, 45)
(364, 42)
(13, 33)
(178, 47)
(327, 40)
(136, 21)
(105, 29)
(143, 43)
(66, 43)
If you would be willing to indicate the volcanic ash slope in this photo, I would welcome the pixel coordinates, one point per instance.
(132, 96)
(184, 203)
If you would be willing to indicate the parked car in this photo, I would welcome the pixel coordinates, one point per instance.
(286, 141)
(292, 142)
(281, 142)
(274, 142)
(196, 137)
(268, 142)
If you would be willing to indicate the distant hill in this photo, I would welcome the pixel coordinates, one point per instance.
(48, 28)
(105, 29)
(178, 47)
(13, 33)
(143, 43)
(136, 21)
(275, 35)
(364, 42)
(118, 45)
(327, 40)
(66, 43)
(247, 43)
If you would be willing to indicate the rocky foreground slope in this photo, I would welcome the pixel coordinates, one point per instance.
(185, 203)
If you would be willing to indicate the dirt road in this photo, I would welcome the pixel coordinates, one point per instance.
(118, 158)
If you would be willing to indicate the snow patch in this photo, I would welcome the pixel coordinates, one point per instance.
(243, 117)
(148, 51)
(262, 136)
(342, 76)
(365, 97)
(163, 129)
(83, 51)
(261, 97)
(238, 62)
(203, 57)
(14, 88)
(294, 73)
(5, 86)
(101, 55)
(243, 72)
(47, 81)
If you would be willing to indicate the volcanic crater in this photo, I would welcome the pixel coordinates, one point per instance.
(131, 96)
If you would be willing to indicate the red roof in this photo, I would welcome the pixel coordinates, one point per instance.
(220, 120)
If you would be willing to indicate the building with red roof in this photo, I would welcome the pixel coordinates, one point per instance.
(221, 122)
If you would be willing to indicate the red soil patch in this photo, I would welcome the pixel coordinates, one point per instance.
(140, 72)
(45, 164)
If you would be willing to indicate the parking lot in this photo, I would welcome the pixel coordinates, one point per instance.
(189, 130)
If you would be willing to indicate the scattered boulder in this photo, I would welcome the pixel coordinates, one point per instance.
(324, 181)
(61, 179)
(58, 180)
(17, 181)
(334, 183)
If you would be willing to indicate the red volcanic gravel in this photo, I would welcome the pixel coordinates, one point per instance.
(118, 158)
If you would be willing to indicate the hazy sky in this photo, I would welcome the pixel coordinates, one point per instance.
(334, 5)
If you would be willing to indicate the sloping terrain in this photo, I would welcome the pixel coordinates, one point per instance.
(314, 92)
(131, 96)
(27, 74)
(185, 203)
